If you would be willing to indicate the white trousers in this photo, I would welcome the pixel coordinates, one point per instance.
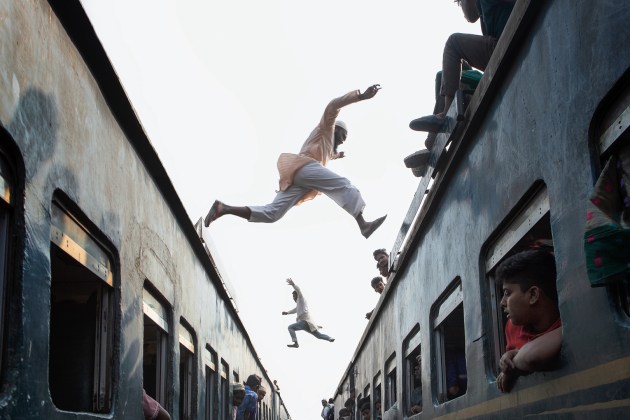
(312, 176)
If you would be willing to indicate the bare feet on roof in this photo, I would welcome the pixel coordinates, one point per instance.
(368, 228)
(215, 212)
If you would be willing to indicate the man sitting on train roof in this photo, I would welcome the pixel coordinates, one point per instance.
(530, 300)
(476, 50)
(460, 49)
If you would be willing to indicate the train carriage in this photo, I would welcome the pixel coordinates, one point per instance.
(515, 169)
(106, 287)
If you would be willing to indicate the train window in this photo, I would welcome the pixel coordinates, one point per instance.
(210, 360)
(450, 345)
(377, 396)
(357, 405)
(611, 138)
(390, 381)
(155, 346)
(186, 372)
(7, 205)
(413, 373)
(82, 296)
(235, 377)
(529, 227)
(224, 389)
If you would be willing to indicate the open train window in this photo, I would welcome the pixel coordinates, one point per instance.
(8, 199)
(235, 377)
(224, 389)
(378, 396)
(81, 316)
(390, 381)
(610, 137)
(412, 385)
(528, 227)
(450, 345)
(187, 371)
(210, 360)
(155, 357)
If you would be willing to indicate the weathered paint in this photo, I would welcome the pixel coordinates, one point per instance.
(65, 112)
(529, 121)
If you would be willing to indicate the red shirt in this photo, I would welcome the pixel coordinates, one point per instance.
(516, 336)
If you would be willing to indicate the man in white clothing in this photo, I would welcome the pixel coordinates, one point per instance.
(304, 175)
(304, 320)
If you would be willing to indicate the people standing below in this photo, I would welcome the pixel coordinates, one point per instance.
(476, 50)
(378, 284)
(533, 331)
(304, 175)
(247, 409)
(238, 394)
(304, 320)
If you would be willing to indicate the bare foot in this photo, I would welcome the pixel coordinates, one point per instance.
(294, 345)
(369, 228)
(215, 212)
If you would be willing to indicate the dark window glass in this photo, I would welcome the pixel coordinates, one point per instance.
(81, 318)
(450, 346)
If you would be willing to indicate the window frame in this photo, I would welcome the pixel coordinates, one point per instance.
(210, 362)
(224, 388)
(187, 357)
(445, 307)
(391, 385)
(156, 310)
(533, 212)
(11, 216)
(377, 393)
(610, 132)
(75, 238)
(412, 345)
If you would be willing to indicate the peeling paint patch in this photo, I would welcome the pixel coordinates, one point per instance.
(15, 89)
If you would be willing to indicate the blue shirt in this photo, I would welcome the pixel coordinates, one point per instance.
(249, 405)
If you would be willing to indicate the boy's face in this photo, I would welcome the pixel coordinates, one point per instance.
(516, 303)
(379, 287)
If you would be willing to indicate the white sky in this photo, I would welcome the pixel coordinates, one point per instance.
(222, 88)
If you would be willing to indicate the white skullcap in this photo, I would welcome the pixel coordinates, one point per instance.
(341, 124)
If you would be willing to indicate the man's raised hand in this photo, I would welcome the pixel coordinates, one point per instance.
(370, 92)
